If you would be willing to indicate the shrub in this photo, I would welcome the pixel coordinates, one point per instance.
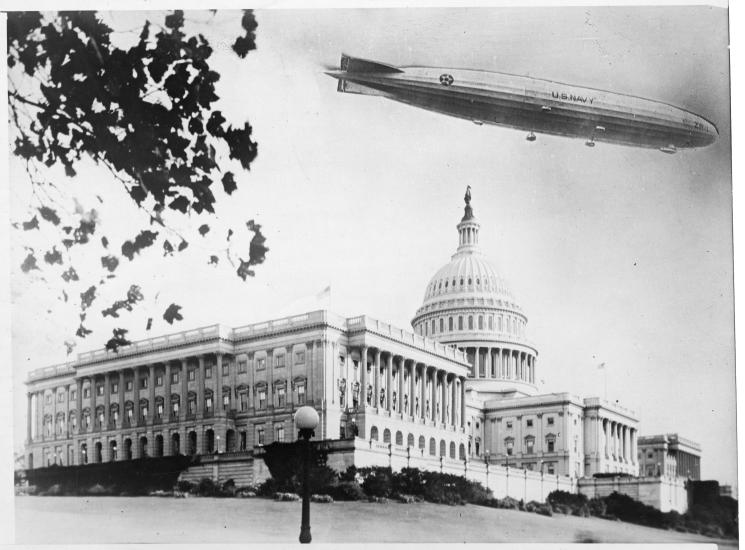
(324, 499)
(185, 486)
(597, 507)
(286, 497)
(509, 503)
(409, 481)
(350, 474)
(207, 488)
(267, 488)
(347, 490)
(404, 498)
(378, 483)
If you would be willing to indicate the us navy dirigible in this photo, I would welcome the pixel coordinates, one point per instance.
(531, 104)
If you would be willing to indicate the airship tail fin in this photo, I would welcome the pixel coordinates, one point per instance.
(357, 65)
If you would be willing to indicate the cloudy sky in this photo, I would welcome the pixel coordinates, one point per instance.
(617, 255)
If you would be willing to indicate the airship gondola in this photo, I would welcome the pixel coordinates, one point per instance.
(531, 104)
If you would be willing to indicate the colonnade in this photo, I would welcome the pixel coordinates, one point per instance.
(502, 363)
(399, 385)
(620, 441)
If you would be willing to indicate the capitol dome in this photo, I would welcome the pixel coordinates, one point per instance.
(469, 304)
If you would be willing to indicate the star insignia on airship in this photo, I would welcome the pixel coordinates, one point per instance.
(446, 79)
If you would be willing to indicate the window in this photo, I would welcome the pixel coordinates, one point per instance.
(114, 387)
(242, 367)
(470, 322)
(243, 395)
(551, 468)
(261, 363)
(208, 371)
(48, 398)
(143, 383)
(225, 401)
(279, 432)
(460, 322)
(301, 393)
(192, 374)
(86, 395)
(73, 394)
(442, 325)
(509, 425)
(262, 399)
(299, 357)
(281, 396)
(159, 410)
(509, 445)
(174, 408)
(650, 454)
(279, 361)
(226, 369)
(159, 380)
(143, 410)
(208, 403)
(433, 326)
(130, 412)
(529, 423)
(491, 322)
(481, 322)
(60, 397)
(100, 417)
(550, 443)
(529, 445)
(192, 405)
(550, 421)
(450, 323)
(259, 436)
(129, 385)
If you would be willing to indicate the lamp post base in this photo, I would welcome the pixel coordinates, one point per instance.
(305, 537)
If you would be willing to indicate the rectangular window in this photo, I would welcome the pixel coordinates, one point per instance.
(115, 387)
(192, 406)
(192, 375)
(129, 385)
(159, 410)
(244, 401)
(550, 445)
(143, 412)
(279, 361)
(143, 383)
(299, 357)
(550, 420)
(60, 397)
(208, 404)
(225, 401)
(279, 433)
(262, 399)
(243, 441)
(551, 468)
(529, 423)
(509, 425)
(281, 397)
(301, 394)
(159, 380)
(73, 394)
(242, 367)
(261, 363)
(174, 378)
(259, 436)
(174, 408)
(529, 446)
(86, 395)
(208, 372)
(226, 369)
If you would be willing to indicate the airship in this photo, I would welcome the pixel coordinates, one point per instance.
(530, 104)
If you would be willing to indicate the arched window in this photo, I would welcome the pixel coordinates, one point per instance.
(461, 281)
(460, 322)
(432, 446)
(143, 410)
(175, 405)
(462, 452)
(386, 436)
(470, 322)
(100, 417)
(191, 404)
(208, 402)
(491, 322)
(530, 445)
(114, 413)
(450, 324)
(433, 326)
(469, 282)
(499, 323)
(421, 442)
(399, 438)
(442, 324)
(443, 447)
(410, 440)
(374, 433)
(509, 445)
(481, 322)
(452, 449)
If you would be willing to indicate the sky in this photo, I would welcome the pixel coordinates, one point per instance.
(617, 255)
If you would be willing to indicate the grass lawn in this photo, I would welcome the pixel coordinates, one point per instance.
(63, 520)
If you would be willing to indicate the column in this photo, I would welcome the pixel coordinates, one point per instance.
(167, 405)
(28, 417)
(412, 387)
(475, 361)
(444, 397)
(462, 402)
(135, 406)
(184, 397)
(389, 383)
(363, 377)
(290, 381)
(423, 393)
(200, 395)
(151, 402)
(376, 380)
(120, 423)
(400, 396)
(94, 417)
(106, 399)
(217, 395)
(453, 399)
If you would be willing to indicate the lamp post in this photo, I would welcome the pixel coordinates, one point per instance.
(306, 420)
(486, 461)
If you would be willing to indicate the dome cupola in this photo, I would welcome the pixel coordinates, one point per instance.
(468, 304)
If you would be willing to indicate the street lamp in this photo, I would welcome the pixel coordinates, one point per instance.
(306, 420)
(486, 461)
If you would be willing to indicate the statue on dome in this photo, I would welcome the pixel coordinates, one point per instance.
(467, 198)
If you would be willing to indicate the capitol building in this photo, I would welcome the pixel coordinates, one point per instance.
(456, 393)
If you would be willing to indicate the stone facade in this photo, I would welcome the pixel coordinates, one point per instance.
(669, 455)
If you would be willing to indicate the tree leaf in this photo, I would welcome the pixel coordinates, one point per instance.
(228, 183)
(53, 256)
(143, 240)
(49, 214)
(70, 275)
(167, 248)
(29, 264)
(82, 332)
(110, 262)
(204, 229)
(87, 297)
(213, 260)
(117, 340)
(33, 223)
(172, 314)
